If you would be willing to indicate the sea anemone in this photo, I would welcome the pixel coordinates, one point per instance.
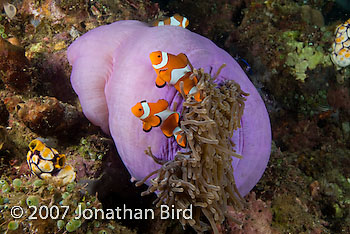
(111, 72)
(202, 176)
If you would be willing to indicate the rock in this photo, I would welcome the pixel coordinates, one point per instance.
(48, 116)
(312, 16)
(4, 114)
(14, 66)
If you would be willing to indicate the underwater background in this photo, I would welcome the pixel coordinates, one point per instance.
(285, 48)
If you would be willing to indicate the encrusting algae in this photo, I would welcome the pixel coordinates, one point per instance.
(203, 176)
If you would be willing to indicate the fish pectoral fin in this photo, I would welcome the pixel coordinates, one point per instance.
(166, 130)
(159, 82)
(167, 133)
(147, 127)
(177, 117)
(195, 80)
(155, 121)
(197, 97)
(170, 124)
(181, 140)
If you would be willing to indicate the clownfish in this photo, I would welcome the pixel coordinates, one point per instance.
(46, 162)
(174, 69)
(158, 114)
(175, 20)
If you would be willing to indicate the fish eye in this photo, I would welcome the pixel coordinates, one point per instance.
(158, 56)
(140, 109)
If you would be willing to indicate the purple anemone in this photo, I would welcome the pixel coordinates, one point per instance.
(112, 72)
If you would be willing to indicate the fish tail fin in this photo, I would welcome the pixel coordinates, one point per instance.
(195, 80)
(197, 97)
(180, 137)
(181, 140)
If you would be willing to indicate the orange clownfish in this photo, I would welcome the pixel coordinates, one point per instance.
(175, 20)
(174, 69)
(158, 114)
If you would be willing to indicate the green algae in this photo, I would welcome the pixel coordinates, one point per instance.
(302, 57)
(38, 183)
(102, 232)
(73, 225)
(60, 224)
(44, 196)
(32, 201)
(289, 214)
(331, 195)
(291, 35)
(91, 149)
(12, 225)
(312, 103)
(309, 189)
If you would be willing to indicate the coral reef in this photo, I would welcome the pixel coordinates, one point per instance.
(48, 116)
(312, 16)
(306, 186)
(14, 66)
(257, 216)
(4, 114)
(63, 205)
(10, 9)
(34, 103)
(339, 98)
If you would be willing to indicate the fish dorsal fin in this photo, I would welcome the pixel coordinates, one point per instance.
(158, 106)
(163, 104)
(183, 57)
